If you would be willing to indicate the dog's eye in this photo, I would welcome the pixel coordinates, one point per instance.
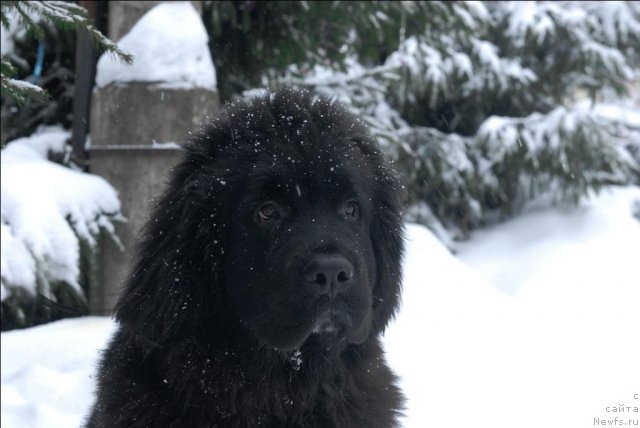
(267, 212)
(351, 210)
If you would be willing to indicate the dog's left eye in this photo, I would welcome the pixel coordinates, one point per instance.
(267, 212)
(351, 210)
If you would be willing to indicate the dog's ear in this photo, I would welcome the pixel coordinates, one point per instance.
(174, 281)
(387, 234)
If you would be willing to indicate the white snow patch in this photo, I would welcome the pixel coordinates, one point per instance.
(48, 372)
(169, 45)
(533, 325)
(39, 201)
(23, 84)
(47, 139)
(616, 112)
(6, 41)
(14, 31)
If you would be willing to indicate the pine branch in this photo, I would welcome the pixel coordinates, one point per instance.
(64, 15)
(19, 91)
(70, 16)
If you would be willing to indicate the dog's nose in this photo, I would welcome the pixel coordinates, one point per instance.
(331, 274)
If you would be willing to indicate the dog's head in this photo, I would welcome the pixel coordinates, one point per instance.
(284, 216)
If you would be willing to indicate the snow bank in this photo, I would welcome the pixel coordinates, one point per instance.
(48, 371)
(533, 325)
(451, 326)
(169, 45)
(46, 209)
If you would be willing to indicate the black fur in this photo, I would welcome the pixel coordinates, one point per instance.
(224, 321)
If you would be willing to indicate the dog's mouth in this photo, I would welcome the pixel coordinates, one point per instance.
(333, 317)
(330, 323)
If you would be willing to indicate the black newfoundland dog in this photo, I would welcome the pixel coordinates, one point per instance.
(263, 281)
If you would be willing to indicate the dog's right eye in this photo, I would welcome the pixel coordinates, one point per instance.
(267, 212)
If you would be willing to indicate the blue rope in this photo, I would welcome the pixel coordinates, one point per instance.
(37, 68)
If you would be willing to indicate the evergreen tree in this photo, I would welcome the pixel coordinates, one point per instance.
(35, 15)
(478, 102)
(49, 65)
(46, 277)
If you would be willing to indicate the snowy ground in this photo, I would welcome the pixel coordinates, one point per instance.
(534, 324)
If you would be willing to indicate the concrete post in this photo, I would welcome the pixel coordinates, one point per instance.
(132, 127)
